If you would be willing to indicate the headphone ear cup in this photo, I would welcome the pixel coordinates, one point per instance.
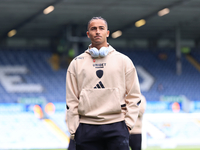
(94, 52)
(103, 51)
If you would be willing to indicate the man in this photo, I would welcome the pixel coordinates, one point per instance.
(135, 140)
(100, 84)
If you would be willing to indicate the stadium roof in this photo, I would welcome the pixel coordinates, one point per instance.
(28, 19)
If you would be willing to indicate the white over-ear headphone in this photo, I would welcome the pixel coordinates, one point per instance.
(96, 53)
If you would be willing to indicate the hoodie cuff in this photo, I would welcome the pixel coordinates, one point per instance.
(72, 136)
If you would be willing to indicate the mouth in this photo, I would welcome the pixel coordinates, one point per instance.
(97, 37)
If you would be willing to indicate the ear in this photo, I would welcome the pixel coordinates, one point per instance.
(108, 33)
(88, 34)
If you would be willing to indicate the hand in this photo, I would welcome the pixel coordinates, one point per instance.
(72, 136)
(128, 128)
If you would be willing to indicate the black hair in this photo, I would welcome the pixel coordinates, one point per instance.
(94, 18)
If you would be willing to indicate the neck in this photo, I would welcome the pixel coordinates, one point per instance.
(98, 46)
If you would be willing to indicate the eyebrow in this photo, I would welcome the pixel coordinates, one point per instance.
(97, 27)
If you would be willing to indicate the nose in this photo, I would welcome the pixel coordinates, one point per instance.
(98, 30)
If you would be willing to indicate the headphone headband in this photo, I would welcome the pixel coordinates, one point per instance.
(103, 51)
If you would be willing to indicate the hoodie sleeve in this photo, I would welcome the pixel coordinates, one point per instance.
(142, 105)
(133, 97)
(72, 100)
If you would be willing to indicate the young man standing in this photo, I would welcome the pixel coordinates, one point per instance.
(102, 94)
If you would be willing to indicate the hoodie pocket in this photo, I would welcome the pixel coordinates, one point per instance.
(99, 102)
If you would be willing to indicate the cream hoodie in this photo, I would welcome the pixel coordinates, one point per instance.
(137, 129)
(97, 90)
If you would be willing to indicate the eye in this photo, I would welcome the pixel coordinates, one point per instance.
(93, 28)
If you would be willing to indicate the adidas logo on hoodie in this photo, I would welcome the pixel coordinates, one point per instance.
(99, 85)
(99, 74)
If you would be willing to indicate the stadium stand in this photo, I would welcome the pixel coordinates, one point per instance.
(24, 130)
(196, 54)
(163, 69)
(161, 64)
(39, 72)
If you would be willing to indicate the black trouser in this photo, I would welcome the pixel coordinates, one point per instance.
(72, 145)
(135, 141)
(113, 136)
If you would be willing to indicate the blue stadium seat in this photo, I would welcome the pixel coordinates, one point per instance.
(163, 70)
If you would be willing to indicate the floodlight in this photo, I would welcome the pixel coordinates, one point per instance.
(48, 10)
(116, 34)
